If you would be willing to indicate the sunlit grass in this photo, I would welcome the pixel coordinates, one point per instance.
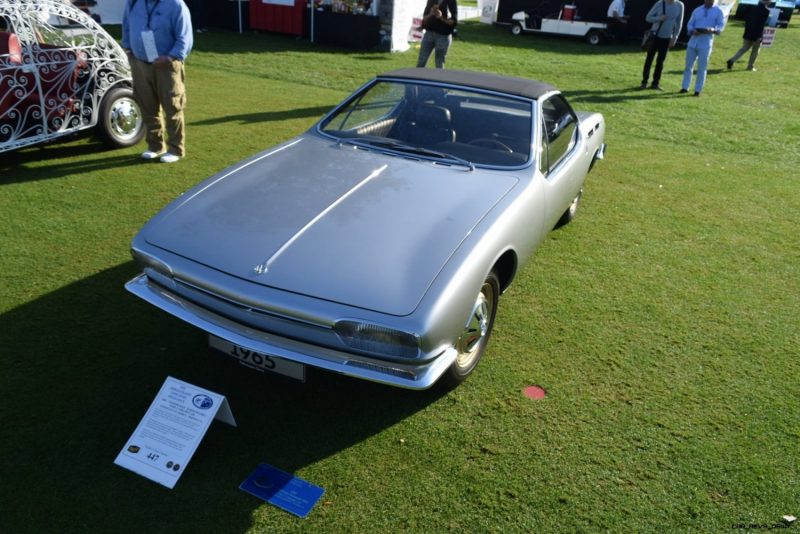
(662, 322)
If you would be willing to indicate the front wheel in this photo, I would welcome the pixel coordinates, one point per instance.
(120, 122)
(594, 37)
(477, 331)
(516, 29)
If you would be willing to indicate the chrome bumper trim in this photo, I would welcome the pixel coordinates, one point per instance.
(405, 376)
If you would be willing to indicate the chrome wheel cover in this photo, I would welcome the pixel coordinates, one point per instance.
(124, 118)
(473, 339)
(573, 208)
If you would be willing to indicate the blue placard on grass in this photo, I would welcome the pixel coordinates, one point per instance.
(282, 489)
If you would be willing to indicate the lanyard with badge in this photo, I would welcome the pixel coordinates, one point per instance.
(148, 38)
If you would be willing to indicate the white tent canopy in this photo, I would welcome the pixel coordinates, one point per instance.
(402, 19)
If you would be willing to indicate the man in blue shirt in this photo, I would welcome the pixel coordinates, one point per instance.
(706, 22)
(157, 35)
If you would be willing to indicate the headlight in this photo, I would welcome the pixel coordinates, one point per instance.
(377, 340)
(146, 261)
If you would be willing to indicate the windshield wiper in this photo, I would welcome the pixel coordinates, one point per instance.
(399, 146)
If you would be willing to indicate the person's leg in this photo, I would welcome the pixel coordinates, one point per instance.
(662, 48)
(691, 57)
(702, 69)
(617, 30)
(745, 46)
(648, 61)
(425, 48)
(172, 93)
(442, 46)
(751, 63)
(146, 94)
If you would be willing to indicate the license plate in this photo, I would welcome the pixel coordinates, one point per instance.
(258, 360)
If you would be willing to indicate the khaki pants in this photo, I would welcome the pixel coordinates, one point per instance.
(160, 89)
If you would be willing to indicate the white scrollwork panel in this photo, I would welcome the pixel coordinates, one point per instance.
(55, 66)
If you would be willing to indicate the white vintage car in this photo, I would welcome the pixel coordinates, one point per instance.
(60, 73)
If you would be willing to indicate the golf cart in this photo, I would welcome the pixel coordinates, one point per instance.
(563, 23)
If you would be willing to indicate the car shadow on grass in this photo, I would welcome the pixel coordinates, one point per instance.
(500, 35)
(59, 159)
(619, 95)
(267, 116)
(80, 368)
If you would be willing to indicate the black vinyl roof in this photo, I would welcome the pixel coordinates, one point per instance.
(482, 80)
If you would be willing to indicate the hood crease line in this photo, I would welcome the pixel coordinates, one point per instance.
(265, 266)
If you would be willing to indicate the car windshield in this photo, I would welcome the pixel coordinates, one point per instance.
(437, 122)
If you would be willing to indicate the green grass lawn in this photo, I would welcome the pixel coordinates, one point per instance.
(663, 322)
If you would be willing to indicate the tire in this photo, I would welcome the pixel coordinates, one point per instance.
(120, 124)
(594, 37)
(516, 29)
(472, 343)
(571, 210)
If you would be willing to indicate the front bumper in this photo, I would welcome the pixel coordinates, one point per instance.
(406, 376)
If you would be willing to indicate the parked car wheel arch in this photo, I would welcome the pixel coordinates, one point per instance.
(506, 268)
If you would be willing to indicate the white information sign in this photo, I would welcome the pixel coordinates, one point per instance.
(768, 37)
(166, 438)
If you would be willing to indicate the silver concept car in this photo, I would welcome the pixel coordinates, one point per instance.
(377, 243)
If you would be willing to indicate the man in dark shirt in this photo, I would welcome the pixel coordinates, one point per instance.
(753, 30)
(438, 31)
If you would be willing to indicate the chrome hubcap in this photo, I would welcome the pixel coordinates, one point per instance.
(470, 342)
(573, 208)
(125, 119)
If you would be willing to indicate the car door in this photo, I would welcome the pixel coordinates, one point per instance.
(559, 159)
(21, 120)
(61, 52)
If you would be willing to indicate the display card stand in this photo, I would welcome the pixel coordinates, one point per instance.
(166, 438)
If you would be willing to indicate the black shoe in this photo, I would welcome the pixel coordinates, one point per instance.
(697, 93)
(729, 63)
(656, 88)
(683, 91)
(643, 86)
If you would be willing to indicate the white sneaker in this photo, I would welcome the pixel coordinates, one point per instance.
(169, 157)
(150, 155)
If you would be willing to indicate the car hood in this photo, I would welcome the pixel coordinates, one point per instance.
(331, 221)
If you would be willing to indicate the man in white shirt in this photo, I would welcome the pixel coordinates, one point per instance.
(617, 20)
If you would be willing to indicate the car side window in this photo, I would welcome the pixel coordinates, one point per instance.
(559, 132)
(60, 31)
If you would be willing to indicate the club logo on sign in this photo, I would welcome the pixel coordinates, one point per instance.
(204, 402)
